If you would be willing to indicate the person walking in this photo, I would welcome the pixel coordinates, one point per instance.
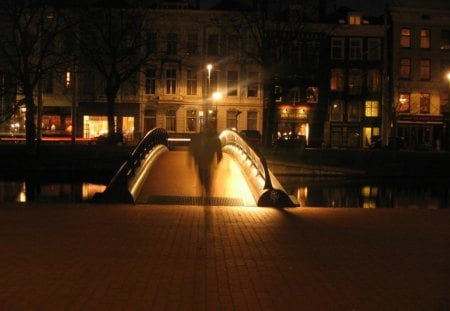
(203, 148)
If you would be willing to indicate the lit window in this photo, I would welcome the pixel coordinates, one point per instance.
(336, 110)
(425, 65)
(171, 81)
(171, 120)
(405, 68)
(424, 39)
(372, 108)
(373, 80)
(312, 95)
(337, 79)
(404, 103)
(232, 118)
(425, 103)
(191, 120)
(405, 38)
(252, 120)
(354, 19)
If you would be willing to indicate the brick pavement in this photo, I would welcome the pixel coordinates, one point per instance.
(148, 257)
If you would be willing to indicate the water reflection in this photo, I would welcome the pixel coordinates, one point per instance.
(378, 193)
(31, 191)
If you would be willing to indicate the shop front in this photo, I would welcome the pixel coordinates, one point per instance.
(292, 121)
(93, 120)
(422, 132)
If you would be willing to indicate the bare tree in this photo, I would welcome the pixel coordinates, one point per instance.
(28, 51)
(112, 42)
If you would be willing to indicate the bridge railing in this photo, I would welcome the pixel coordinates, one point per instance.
(126, 183)
(264, 185)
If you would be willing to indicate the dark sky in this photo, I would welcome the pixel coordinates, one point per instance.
(368, 7)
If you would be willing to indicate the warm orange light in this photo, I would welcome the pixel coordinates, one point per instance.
(448, 76)
(217, 95)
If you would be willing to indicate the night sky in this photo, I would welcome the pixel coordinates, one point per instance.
(369, 7)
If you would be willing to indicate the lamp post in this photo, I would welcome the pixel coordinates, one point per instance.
(209, 68)
(206, 100)
(446, 116)
(216, 96)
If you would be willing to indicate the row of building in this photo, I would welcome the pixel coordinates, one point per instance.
(344, 80)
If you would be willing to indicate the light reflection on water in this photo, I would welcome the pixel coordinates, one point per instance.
(20, 191)
(310, 192)
(378, 193)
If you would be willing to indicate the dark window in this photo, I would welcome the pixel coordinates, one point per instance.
(151, 43)
(191, 83)
(213, 45)
(171, 81)
(150, 81)
(172, 42)
(192, 44)
(252, 87)
(232, 83)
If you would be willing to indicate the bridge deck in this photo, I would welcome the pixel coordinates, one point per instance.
(174, 180)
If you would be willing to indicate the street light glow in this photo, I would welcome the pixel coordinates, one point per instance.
(217, 95)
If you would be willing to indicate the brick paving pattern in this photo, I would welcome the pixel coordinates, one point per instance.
(162, 257)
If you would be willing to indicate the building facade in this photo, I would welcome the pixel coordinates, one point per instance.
(354, 94)
(196, 73)
(420, 64)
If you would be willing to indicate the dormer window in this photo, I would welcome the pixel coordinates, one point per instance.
(354, 18)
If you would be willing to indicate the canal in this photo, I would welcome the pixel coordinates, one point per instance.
(426, 193)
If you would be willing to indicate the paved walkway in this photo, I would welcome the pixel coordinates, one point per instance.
(161, 257)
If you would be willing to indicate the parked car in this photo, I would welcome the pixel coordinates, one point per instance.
(393, 142)
(291, 141)
(253, 137)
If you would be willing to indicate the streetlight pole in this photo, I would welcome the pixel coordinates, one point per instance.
(208, 95)
(446, 116)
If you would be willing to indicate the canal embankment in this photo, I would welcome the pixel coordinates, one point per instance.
(106, 159)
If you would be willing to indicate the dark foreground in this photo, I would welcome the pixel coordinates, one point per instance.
(104, 159)
(147, 257)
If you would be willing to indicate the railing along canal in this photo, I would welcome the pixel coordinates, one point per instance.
(265, 187)
(126, 183)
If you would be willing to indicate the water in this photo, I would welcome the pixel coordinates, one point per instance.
(60, 192)
(432, 193)
(310, 192)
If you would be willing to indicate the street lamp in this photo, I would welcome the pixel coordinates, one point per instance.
(209, 68)
(446, 116)
(216, 96)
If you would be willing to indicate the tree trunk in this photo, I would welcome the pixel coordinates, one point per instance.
(30, 126)
(111, 101)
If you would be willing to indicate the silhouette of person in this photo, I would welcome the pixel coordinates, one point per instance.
(203, 147)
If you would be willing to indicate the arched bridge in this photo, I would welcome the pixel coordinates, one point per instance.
(156, 174)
